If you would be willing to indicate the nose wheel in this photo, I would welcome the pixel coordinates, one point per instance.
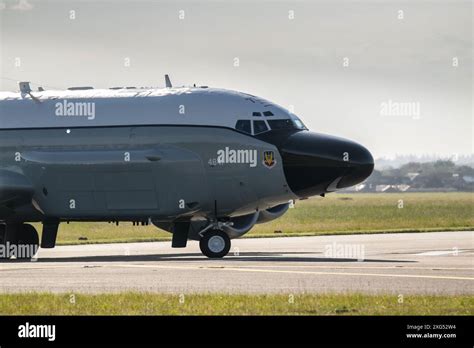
(215, 244)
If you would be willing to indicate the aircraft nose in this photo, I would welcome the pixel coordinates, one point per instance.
(316, 163)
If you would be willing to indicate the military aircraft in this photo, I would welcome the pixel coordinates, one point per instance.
(202, 163)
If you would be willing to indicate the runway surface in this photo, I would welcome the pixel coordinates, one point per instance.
(404, 263)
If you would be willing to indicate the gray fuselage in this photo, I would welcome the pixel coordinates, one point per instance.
(163, 155)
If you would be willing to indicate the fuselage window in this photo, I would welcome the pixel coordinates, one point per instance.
(259, 127)
(256, 114)
(243, 126)
(268, 113)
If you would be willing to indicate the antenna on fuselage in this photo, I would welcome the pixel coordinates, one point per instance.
(26, 89)
(168, 81)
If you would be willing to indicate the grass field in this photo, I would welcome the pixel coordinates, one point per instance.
(334, 214)
(163, 304)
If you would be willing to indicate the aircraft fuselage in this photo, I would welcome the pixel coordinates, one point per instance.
(204, 164)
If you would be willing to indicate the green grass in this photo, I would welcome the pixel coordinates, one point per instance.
(377, 212)
(335, 214)
(209, 304)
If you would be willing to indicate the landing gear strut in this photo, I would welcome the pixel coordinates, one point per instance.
(215, 244)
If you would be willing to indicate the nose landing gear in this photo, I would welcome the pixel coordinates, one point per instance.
(215, 244)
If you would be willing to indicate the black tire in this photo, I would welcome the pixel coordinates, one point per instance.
(27, 238)
(215, 244)
(2, 234)
(2, 241)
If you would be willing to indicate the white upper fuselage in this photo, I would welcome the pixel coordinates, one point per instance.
(125, 107)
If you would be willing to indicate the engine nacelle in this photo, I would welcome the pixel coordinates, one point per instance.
(238, 226)
(272, 213)
(241, 225)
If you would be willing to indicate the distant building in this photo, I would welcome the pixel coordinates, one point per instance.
(365, 187)
(468, 178)
(403, 187)
(412, 176)
(392, 188)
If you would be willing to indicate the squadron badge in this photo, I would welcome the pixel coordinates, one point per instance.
(269, 159)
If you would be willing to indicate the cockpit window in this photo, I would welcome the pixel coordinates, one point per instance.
(243, 126)
(286, 124)
(299, 124)
(281, 124)
(256, 114)
(268, 113)
(259, 127)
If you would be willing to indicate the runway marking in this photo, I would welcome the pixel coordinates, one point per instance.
(441, 252)
(37, 267)
(367, 267)
(296, 272)
(31, 266)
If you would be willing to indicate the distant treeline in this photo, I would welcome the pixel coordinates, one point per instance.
(418, 176)
(400, 160)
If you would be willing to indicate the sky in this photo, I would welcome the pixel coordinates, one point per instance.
(395, 76)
